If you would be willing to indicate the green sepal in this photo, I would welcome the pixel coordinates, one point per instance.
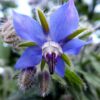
(42, 64)
(43, 21)
(84, 36)
(66, 59)
(59, 79)
(77, 32)
(26, 44)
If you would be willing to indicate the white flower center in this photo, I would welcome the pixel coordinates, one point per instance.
(51, 47)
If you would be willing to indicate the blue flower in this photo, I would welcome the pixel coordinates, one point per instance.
(50, 46)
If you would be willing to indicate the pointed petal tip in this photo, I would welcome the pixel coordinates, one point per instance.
(16, 67)
(26, 28)
(14, 13)
(71, 1)
(60, 67)
(68, 21)
(62, 75)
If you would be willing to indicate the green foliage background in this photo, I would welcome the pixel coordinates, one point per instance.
(81, 81)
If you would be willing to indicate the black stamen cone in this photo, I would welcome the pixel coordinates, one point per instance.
(51, 60)
(51, 67)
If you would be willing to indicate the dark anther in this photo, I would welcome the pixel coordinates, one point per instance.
(51, 60)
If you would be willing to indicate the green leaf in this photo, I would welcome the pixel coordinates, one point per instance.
(74, 34)
(59, 79)
(73, 78)
(26, 44)
(42, 64)
(66, 59)
(43, 21)
(91, 79)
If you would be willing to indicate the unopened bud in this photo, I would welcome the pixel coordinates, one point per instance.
(8, 34)
(44, 82)
(26, 78)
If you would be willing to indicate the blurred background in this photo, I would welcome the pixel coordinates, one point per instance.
(86, 66)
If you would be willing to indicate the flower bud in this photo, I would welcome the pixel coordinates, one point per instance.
(8, 34)
(26, 78)
(39, 3)
(44, 82)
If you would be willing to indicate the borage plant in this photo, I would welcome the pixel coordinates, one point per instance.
(49, 42)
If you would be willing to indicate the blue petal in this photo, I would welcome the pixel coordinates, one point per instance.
(74, 46)
(74, 51)
(31, 57)
(28, 29)
(64, 21)
(60, 67)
